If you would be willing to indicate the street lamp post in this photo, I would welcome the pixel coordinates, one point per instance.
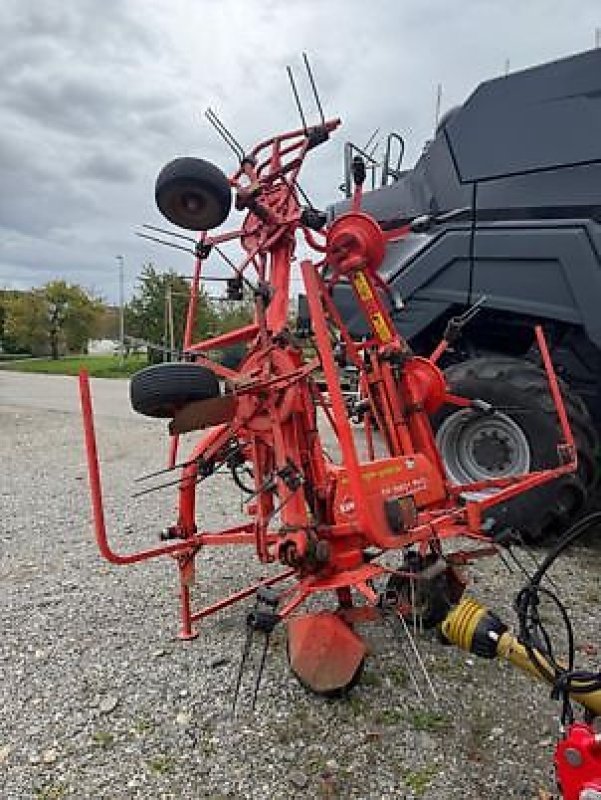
(121, 312)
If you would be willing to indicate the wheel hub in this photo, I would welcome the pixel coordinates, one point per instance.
(192, 202)
(492, 451)
(477, 447)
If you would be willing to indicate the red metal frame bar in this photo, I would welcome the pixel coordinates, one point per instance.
(555, 391)
(225, 339)
(96, 494)
(241, 595)
(343, 428)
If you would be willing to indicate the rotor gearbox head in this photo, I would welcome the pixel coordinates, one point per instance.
(355, 241)
(428, 383)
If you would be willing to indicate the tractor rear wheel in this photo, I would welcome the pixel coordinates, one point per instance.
(520, 436)
(163, 389)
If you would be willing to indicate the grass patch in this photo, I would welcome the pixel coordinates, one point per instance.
(142, 726)
(390, 716)
(371, 679)
(50, 793)
(398, 676)
(428, 721)
(355, 704)
(103, 739)
(419, 780)
(98, 366)
(161, 765)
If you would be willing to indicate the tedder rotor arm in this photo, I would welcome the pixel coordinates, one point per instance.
(189, 541)
(298, 141)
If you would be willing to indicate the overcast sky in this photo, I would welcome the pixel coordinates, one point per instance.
(96, 95)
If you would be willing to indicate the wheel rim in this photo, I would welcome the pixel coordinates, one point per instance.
(477, 447)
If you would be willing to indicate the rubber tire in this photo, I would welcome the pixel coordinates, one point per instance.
(506, 382)
(163, 389)
(185, 177)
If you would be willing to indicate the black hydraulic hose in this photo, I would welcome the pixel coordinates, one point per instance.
(564, 677)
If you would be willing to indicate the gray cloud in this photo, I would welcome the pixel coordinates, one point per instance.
(95, 97)
(102, 166)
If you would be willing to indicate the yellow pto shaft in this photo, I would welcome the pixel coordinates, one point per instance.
(472, 627)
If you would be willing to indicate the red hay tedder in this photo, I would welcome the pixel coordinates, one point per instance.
(327, 523)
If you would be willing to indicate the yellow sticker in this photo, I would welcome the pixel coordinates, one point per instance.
(380, 474)
(362, 286)
(381, 327)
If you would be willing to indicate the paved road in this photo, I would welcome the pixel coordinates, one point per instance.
(60, 393)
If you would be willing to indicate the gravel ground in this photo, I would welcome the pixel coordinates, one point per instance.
(100, 700)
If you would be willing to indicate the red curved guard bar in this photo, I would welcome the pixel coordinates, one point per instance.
(96, 493)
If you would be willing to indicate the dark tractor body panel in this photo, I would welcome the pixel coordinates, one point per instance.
(543, 118)
(522, 160)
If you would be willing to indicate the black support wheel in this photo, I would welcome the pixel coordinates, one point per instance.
(163, 389)
(520, 436)
(193, 194)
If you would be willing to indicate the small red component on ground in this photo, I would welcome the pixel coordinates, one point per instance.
(578, 763)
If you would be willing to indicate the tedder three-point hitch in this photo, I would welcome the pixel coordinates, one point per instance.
(327, 522)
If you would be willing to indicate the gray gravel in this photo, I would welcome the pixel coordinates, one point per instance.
(99, 700)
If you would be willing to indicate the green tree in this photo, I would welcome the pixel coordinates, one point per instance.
(73, 314)
(108, 323)
(231, 314)
(146, 315)
(57, 317)
(25, 322)
(7, 343)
